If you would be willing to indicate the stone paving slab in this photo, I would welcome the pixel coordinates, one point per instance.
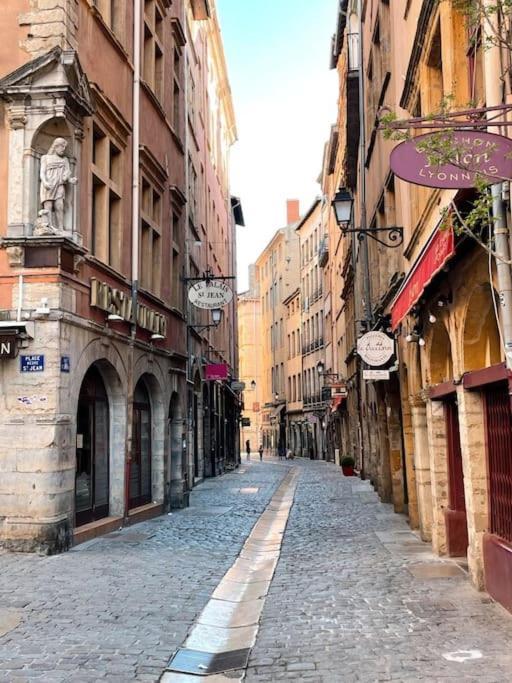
(344, 607)
(114, 609)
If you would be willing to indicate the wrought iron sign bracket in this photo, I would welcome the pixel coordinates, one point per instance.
(395, 235)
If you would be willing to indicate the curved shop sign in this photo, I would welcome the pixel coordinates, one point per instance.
(472, 154)
(210, 294)
(375, 348)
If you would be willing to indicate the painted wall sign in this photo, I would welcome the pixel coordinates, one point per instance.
(117, 302)
(474, 153)
(32, 363)
(375, 348)
(255, 407)
(375, 374)
(65, 363)
(210, 294)
(215, 371)
(8, 347)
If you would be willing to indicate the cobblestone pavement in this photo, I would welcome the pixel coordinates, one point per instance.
(345, 605)
(116, 608)
(352, 599)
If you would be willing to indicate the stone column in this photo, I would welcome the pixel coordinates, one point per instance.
(436, 428)
(395, 449)
(474, 465)
(422, 466)
(412, 493)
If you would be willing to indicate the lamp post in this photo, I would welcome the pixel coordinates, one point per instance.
(343, 203)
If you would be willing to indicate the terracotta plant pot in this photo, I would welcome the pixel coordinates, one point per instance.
(348, 470)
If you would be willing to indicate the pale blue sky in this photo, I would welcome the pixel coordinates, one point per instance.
(285, 102)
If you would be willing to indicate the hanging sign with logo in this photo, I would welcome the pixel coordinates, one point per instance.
(215, 371)
(375, 348)
(472, 154)
(210, 294)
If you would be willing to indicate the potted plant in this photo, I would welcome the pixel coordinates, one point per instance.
(347, 465)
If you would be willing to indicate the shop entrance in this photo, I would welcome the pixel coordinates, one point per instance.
(92, 451)
(140, 465)
(455, 515)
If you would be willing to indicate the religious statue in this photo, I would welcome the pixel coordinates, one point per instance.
(55, 175)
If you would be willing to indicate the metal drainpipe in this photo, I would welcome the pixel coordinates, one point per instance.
(494, 96)
(137, 17)
(363, 244)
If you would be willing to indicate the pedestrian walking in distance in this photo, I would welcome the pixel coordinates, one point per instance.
(260, 451)
(248, 449)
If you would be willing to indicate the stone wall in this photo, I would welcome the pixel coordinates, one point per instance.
(50, 23)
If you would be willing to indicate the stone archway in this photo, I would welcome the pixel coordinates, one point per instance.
(481, 339)
(148, 382)
(441, 362)
(107, 362)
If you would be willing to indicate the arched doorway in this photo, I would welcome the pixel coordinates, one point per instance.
(140, 464)
(92, 450)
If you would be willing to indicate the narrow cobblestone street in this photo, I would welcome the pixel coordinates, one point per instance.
(355, 596)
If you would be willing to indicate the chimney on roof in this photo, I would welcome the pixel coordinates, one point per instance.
(292, 211)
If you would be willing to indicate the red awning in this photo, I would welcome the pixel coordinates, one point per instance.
(439, 249)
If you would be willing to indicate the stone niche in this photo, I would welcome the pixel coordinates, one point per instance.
(44, 99)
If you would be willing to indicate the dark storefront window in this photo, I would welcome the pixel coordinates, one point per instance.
(92, 451)
(140, 465)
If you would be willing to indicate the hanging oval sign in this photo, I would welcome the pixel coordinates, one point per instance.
(472, 154)
(375, 348)
(210, 294)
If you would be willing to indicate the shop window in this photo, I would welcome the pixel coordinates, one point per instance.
(433, 91)
(107, 179)
(140, 463)
(151, 248)
(92, 451)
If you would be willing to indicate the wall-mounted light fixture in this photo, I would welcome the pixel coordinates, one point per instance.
(343, 203)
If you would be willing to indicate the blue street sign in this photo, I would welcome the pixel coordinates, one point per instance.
(32, 363)
(65, 364)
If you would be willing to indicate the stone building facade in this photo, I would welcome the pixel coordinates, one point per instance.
(277, 273)
(436, 438)
(96, 417)
(293, 370)
(250, 362)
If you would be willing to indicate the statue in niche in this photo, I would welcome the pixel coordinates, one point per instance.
(55, 175)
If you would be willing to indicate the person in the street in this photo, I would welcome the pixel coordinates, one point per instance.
(260, 451)
(248, 449)
(281, 451)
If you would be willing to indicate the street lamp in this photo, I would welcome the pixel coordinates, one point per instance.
(276, 397)
(253, 385)
(217, 314)
(343, 203)
(320, 367)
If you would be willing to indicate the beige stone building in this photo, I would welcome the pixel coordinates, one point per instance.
(277, 270)
(250, 360)
(293, 371)
(436, 437)
(311, 233)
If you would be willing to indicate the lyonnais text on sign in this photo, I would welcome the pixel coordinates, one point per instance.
(472, 154)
